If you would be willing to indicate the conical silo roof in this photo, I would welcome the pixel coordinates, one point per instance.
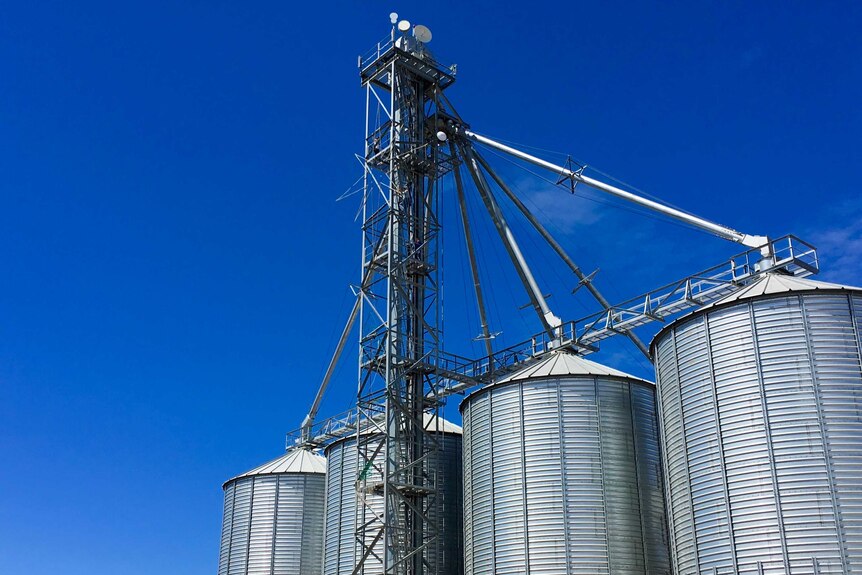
(296, 460)
(770, 284)
(428, 420)
(562, 363)
(443, 425)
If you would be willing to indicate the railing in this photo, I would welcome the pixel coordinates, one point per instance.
(415, 54)
(789, 254)
(457, 374)
(376, 52)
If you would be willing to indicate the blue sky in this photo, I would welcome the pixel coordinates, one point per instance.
(176, 264)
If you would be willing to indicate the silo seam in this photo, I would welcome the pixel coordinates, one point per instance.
(275, 527)
(250, 520)
(854, 322)
(720, 435)
(358, 504)
(602, 471)
(302, 521)
(815, 384)
(666, 486)
(340, 528)
(325, 513)
(566, 534)
(523, 434)
(769, 447)
(230, 539)
(638, 478)
(491, 467)
(684, 436)
(472, 496)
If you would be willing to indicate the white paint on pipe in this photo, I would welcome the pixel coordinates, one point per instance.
(712, 227)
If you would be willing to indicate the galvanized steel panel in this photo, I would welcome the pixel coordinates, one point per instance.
(761, 414)
(273, 525)
(341, 548)
(239, 528)
(563, 477)
(260, 536)
(679, 505)
(226, 530)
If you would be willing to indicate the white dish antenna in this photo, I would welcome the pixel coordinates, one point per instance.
(422, 33)
(404, 25)
(393, 18)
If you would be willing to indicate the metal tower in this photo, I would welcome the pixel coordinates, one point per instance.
(413, 137)
(399, 308)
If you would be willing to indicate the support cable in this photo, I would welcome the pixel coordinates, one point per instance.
(716, 229)
(582, 277)
(549, 321)
(600, 199)
(471, 254)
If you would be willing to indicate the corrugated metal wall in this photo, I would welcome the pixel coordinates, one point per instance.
(563, 476)
(761, 410)
(273, 525)
(340, 546)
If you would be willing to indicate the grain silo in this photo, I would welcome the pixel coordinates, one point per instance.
(562, 473)
(341, 549)
(760, 396)
(273, 518)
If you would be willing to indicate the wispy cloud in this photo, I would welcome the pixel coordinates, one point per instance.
(838, 238)
(564, 212)
(559, 210)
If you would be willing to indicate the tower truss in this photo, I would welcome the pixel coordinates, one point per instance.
(399, 311)
(413, 138)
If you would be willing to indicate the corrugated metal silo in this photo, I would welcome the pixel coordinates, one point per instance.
(273, 518)
(562, 473)
(760, 396)
(340, 546)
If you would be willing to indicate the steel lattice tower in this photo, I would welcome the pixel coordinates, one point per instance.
(399, 313)
(413, 137)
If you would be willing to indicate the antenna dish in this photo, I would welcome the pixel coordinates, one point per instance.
(393, 18)
(404, 25)
(422, 33)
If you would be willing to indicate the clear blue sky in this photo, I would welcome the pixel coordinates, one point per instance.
(175, 263)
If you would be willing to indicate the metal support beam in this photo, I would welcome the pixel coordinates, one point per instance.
(792, 256)
(548, 319)
(582, 277)
(308, 422)
(712, 227)
(315, 406)
(471, 254)
(399, 314)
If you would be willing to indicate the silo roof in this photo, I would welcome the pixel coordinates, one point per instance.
(443, 425)
(767, 285)
(772, 283)
(296, 460)
(561, 363)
